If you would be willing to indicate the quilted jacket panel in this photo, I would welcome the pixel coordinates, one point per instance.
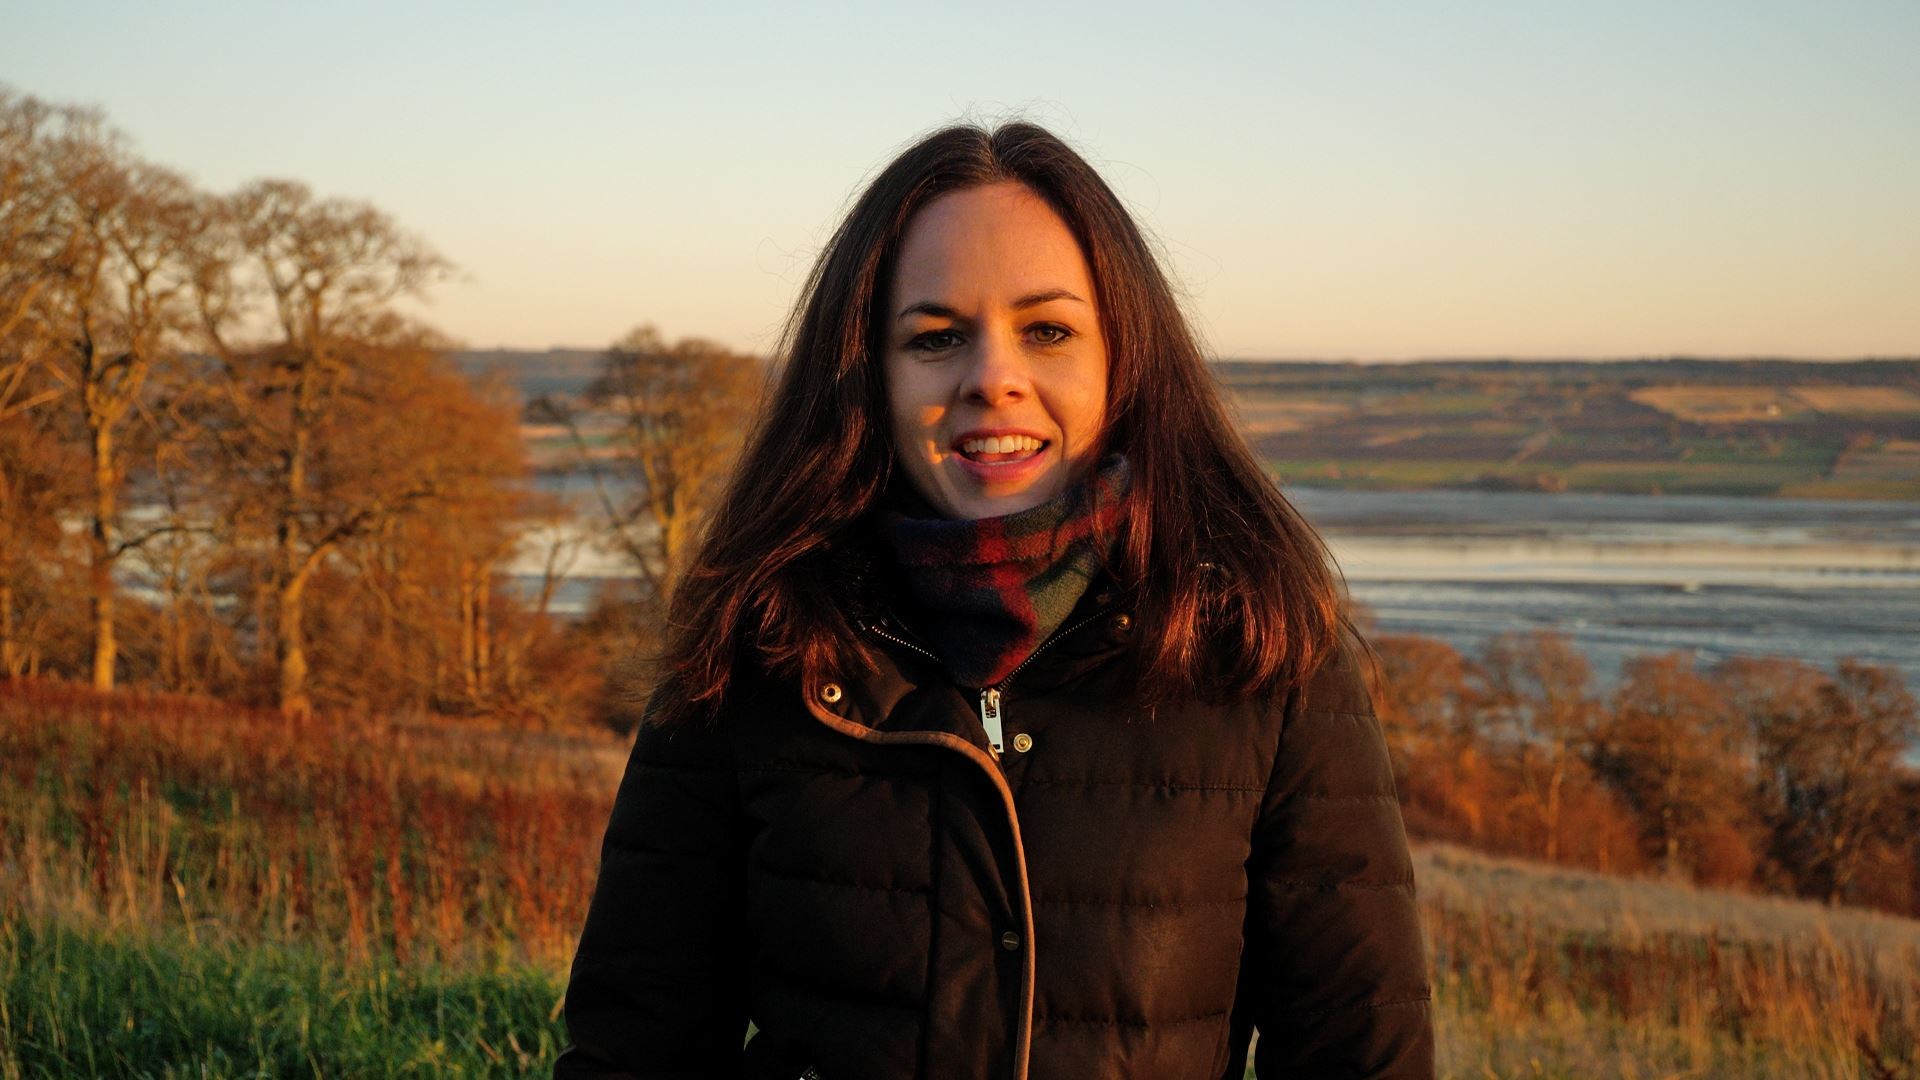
(1130, 896)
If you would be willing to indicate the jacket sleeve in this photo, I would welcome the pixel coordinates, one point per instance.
(657, 989)
(1334, 974)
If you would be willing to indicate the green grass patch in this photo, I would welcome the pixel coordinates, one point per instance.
(94, 1003)
(1384, 475)
(1761, 453)
(1458, 403)
(1686, 478)
(1791, 475)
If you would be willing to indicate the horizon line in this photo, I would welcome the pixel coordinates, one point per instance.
(1486, 358)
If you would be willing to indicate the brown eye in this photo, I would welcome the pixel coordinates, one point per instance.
(934, 341)
(1051, 333)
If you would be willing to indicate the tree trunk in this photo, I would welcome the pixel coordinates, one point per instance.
(1553, 805)
(483, 629)
(1670, 853)
(101, 557)
(290, 654)
(9, 650)
(171, 653)
(290, 644)
(469, 652)
(173, 617)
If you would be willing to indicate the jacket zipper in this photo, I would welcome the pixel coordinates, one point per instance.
(1023, 1030)
(992, 718)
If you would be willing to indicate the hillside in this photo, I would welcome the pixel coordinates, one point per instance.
(189, 886)
(1731, 427)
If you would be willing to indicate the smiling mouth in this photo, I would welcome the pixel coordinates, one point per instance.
(1003, 449)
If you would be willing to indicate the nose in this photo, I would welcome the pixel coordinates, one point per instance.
(998, 372)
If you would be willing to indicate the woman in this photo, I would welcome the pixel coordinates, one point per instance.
(1011, 727)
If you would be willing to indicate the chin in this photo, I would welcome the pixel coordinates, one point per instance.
(958, 494)
(999, 504)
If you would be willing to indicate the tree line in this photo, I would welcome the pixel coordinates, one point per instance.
(230, 463)
(1754, 772)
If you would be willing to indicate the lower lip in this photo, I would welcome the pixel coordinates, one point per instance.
(1004, 472)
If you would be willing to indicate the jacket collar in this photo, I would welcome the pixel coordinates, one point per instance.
(910, 690)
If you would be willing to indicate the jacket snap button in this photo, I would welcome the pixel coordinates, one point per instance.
(830, 693)
(1122, 623)
(1010, 941)
(1023, 742)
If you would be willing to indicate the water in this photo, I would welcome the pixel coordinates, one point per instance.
(1629, 574)
(1622, 575)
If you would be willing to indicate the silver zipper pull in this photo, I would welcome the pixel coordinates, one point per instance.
(990, 717)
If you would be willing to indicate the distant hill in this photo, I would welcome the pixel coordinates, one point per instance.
(1834, 429)
(548, 371)
(1730, 427)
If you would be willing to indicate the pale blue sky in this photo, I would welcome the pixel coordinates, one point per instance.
(1339, 179)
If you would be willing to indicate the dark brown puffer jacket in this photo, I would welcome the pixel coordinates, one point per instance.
(1118, 895)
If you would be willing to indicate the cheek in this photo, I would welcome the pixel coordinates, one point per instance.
(1088, 405)
(899, 391)
(913, 402)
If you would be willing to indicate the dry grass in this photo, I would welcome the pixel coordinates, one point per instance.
(1590, 975)
(1722, 404)
(1569, 900)
(1261, 412)
(384, 840)
(157, 818)
(1859, 399)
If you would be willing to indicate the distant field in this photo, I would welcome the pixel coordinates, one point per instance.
(1888, 400)
(1882, 471)
(1764, 404)
(1749, 428)
(1679, 426)
(1268, 415)
(1720, 404)
(348, 896)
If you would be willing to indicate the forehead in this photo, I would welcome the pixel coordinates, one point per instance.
(987, 244)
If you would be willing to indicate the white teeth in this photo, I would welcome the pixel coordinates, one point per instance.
(1000, 444)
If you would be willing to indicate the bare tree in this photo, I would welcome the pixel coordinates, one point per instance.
(1829, 762)
(428, 566)
(111, 300)
(330, 270)
(42, 480)
(678, 414)
(29, 242)
(1665, 746)
(187, 561)
(1537, 687)
(34, 477)
(1424, 697)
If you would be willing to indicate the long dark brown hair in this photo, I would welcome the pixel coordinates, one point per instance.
(1233, 593)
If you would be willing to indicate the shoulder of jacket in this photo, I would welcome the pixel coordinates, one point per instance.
(1342, 683)
(666, 737)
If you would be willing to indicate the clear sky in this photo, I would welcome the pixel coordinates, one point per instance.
(1370, 180)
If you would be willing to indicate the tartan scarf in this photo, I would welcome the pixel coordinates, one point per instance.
(989, 591)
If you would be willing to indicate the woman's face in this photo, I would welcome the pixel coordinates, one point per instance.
(996, 369)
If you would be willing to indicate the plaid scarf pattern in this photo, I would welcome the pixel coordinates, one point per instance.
(989, 591)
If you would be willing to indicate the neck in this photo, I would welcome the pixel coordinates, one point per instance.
(989, 590)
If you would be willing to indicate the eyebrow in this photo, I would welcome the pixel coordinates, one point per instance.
(1032, 299)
